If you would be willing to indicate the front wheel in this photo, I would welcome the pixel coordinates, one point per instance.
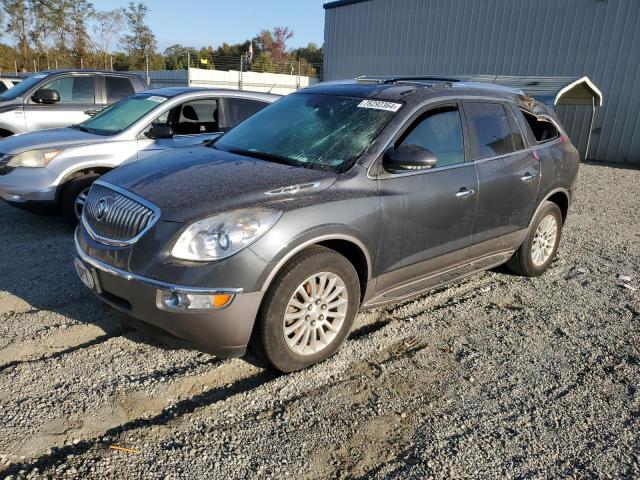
(74, 197)
(541, 243)
(309, 309)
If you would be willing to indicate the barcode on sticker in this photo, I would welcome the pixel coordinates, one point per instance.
(379, 105)
(156, 98)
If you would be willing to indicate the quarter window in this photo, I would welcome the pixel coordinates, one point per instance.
(73, 89)
(440, 132)
(543, 130)
(490, 131)
(117, 88)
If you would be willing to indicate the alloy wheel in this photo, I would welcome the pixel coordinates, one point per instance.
(544, 240)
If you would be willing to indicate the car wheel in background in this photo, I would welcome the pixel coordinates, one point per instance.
(541, 243)
(308, 310)
(74, 195)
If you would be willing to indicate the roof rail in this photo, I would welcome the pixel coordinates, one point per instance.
(396, 79)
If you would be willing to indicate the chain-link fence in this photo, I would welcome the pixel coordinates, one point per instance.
(245, 63)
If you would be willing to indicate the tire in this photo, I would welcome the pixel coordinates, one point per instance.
(72, 190)
(340, 280)
(538, 249)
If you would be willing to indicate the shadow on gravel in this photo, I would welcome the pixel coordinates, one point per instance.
(189, 405)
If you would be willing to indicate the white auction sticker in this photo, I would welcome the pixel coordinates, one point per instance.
(156, 98)
(379, 105)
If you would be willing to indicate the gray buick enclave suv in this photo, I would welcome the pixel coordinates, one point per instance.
(337, 198)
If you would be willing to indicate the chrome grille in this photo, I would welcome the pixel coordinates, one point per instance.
(117, 217)
(4, 159)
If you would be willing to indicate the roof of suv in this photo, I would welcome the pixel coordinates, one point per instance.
(171, 92)
(393, 89)
(87, 70)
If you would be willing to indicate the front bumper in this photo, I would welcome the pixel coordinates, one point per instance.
(28, 186)
(224, 332)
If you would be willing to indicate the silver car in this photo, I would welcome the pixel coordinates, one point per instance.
(51, 170)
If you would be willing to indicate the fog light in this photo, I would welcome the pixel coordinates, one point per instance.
(170, 300)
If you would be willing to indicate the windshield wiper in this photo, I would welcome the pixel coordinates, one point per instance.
(270, 157)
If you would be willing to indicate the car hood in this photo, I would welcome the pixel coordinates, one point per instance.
(52, 138)
(188, 184)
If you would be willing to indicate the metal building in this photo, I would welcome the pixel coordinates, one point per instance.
(542, 38)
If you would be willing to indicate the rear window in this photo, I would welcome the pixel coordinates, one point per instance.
(117, 88)
(543, 130)
(491, 134)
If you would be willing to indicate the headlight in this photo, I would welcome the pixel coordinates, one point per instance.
(33, 158)
(223, 235)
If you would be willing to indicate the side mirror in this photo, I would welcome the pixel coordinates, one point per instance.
(408, 157)
(46, 96)
(159, 131)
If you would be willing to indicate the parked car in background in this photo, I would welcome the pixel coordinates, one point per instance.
(52, 170)
(62, 97)
(7, 82)
(336, 198)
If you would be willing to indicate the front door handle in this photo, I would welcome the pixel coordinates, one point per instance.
(465, 192)
(527, 177)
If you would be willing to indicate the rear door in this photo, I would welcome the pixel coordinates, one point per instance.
(78, 92)
(192, 122)
(427, 215)
(508, 176)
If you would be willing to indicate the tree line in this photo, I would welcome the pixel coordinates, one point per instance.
(48, 34)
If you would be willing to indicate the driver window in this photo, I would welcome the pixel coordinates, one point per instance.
(77, 89)
(439, 131)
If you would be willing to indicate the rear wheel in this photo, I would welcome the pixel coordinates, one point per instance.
(309, 309)
(74, 197)
(541, 243)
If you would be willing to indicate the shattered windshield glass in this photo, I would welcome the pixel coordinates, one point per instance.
(317, 131)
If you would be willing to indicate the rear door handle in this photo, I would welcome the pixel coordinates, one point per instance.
(527, 177)
(465, 192)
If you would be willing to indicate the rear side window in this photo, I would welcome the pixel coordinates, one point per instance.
(543, 130)
(439, 131)
(3, 87)
(117, 88)
(490, 131)
(238, 109)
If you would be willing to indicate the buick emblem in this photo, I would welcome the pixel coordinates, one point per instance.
(102, 208)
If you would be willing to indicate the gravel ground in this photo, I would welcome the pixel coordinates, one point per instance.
(494, 376)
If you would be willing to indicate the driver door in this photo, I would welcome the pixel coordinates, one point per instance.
(192, 122)
(427, 215)
(77, 94)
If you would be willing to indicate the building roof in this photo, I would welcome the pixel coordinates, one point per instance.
(340, 3)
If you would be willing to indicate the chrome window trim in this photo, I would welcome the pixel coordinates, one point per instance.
(97, 264)
(132, 196)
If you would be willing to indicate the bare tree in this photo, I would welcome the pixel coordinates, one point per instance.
(108, 26)
(18, 26)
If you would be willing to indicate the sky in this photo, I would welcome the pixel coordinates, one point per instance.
(199, 23)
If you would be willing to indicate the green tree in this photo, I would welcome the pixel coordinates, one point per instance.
(81, 12)
(139, 40)
(18, 26)
(175, 56)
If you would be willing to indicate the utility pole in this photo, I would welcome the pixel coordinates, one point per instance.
(188, 59)
(81, 64)
(15, 62)
(111, 62)
(35, 67)
(56, 64)
(241, 67)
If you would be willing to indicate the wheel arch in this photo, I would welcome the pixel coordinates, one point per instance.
(561, 197)
(98, 169)
(346, 245)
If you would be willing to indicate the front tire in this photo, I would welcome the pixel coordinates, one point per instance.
(541, 243)
(74, 195)
(309, 309)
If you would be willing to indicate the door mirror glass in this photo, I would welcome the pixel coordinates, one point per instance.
(408, 157)
(159, 131)
(46, 96)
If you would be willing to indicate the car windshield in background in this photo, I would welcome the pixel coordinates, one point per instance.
(317, 131)
(22, 87)
(121, 115)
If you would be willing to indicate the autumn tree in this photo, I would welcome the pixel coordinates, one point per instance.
(17, 26)
(139, 41)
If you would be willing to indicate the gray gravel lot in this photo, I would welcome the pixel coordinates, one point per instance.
(495, 376)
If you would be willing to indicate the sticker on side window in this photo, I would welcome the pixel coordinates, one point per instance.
(379, 105)
(156, 98)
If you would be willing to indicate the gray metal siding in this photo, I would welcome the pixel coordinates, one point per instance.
(598, 38)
